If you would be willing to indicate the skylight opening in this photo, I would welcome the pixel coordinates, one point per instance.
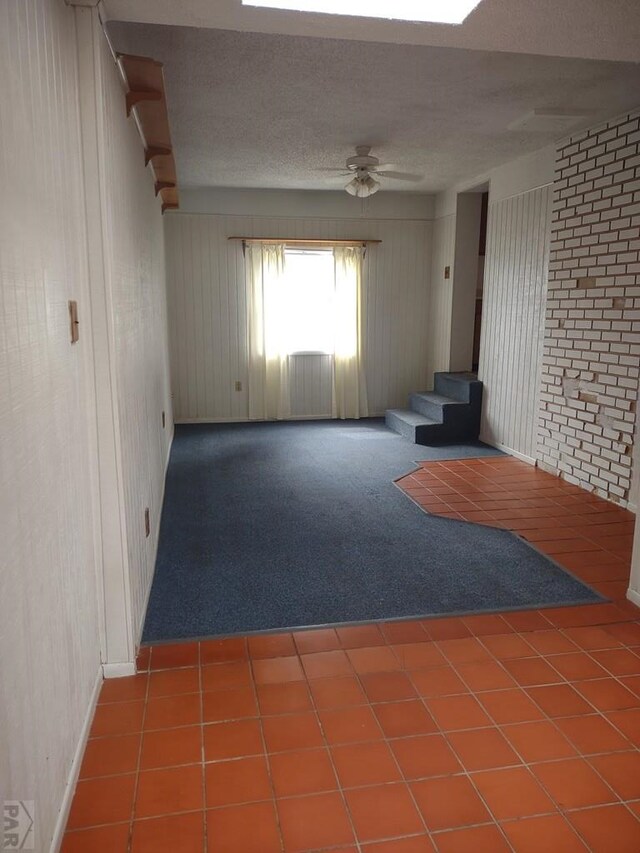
(417, 11)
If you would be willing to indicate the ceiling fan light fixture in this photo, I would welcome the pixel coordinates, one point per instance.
(372, 185)
(362, 187)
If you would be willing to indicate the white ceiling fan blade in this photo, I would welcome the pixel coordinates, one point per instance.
(399, 176)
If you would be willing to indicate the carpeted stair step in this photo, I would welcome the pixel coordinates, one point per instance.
(414, 426)
(464, 387)
(451, 413)
(435, 406)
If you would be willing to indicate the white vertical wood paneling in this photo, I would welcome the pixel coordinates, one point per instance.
(49, 599)
(515, 285)
(49, 638)
(134, 254)
(634, 580)
(441, 304)
(207, 312)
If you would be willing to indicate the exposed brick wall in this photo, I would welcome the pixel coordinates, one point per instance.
(591, 359)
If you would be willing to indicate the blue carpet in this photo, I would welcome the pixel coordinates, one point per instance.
(282, 525)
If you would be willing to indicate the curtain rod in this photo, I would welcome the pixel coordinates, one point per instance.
(309, 242)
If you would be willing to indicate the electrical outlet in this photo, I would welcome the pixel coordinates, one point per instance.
(238, 385)
(147, 522)
(163, 420)
(447, 272)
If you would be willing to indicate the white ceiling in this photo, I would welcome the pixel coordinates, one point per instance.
(275, 111)
(588, 29)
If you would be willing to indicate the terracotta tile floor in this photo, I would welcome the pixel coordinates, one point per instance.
(517, 731)
(587, 535)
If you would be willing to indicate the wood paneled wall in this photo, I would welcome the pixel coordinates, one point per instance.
(207, 313)
(49, 640)
(515, 287)
(135, 258)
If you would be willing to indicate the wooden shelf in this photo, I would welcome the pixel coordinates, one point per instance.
(146, 97)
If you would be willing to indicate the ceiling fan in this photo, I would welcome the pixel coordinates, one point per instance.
(364, 169)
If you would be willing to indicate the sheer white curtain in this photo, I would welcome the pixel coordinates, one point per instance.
(349, 383)
(268, 390)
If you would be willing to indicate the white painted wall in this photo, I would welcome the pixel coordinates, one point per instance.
(633, 592)
(306, 203)
(441, 300)
(114, 592)
(58, 203)
(513, 312)
(524, 174)
(634, 493)
(134, 259)
(509, 179)
(49, 637)
(513, 300)
(205, 276)
(128, 317)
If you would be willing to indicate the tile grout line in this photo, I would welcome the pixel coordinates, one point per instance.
(139, 761)
(468, 774)
(345, 803)
(385, 740)
(492, 655)
(205, 838)
(579, 756)
(256, 697)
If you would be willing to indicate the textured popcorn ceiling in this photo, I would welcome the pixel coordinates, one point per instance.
(267, 110)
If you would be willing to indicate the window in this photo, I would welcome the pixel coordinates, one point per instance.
(310, 293)
(304, 302)
(426, 11)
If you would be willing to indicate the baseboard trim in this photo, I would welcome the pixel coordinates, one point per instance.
(634, 597)
(521, 456)
(249, 420)
(74, 772)
(212, 421)
(287, 420)
(118, 670)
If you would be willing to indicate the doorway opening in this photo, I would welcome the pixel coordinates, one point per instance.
(466, 307)
(482, 246)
